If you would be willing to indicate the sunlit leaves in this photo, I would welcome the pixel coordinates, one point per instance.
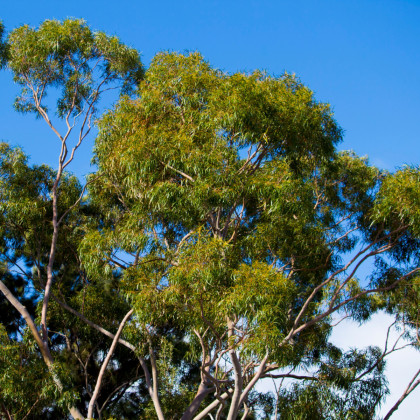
(222, 214)
(246, 211)
(71, 58)
(399, 199)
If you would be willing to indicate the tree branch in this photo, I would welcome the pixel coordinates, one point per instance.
(105, 363)
(45, 351)
(410, 388)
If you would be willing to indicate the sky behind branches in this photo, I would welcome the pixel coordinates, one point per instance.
(360, 56)
(363, 57)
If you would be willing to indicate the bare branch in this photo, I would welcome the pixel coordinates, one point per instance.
(236, 397)
(254, 380)
(178, 171)
(410, 388)
(246, 412)
(92, 324)
(290, 375)
(105, 363)
(343, 269)
(154, 391)
(321, 316)
(213, 405)
(45, 351)
(78, 200)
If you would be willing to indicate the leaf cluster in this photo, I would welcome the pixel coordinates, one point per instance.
(69, 57)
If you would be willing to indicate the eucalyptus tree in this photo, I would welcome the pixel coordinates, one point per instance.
(228, 215)
(75, 66)
(221, 238)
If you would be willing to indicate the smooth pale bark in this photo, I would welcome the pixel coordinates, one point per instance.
(213, 405)
(149, 384)
(50, 277)
(254, 380)
(203, 391)
(246, 412)
(206, 385)
(236, 397)
(410, 388)
(92, 324)
(45, 351)
(237, 369)
(106, 362)
(155, 394)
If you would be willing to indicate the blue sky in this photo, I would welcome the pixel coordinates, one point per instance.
(360, 56)
(363, 57)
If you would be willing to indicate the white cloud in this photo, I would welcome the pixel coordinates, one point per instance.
(401, 365)
(400, 368)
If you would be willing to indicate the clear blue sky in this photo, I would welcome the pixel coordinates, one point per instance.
(361, 56)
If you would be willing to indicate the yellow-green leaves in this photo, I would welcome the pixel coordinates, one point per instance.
(198, 141)
(236, 218)
(398, 200)
(261, 296)
(235, 179)
(70, 57)
(260, 290)
(26, 386)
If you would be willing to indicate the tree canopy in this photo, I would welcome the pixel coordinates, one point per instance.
(3, 46)
(215, 246)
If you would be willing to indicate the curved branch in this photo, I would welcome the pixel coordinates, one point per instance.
(410, 388)
(105, 363)
(45, 351)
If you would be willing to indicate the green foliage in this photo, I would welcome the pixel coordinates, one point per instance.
(71, 58)
(26, 207)
(25, 212)
(25, 383)
(75, 66)
(221, 213)
(341, 389)
(225, 198)
(399, 199)
(3, 47)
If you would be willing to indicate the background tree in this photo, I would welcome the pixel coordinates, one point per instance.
(3, 46)
(76, 66)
